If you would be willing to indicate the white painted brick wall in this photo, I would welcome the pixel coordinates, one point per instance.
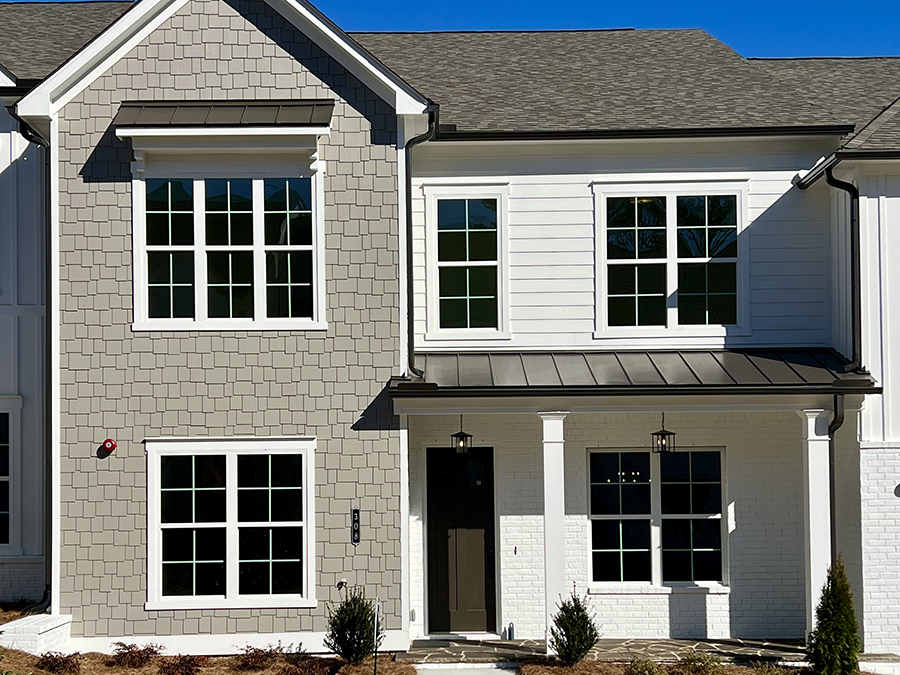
(764, 484)
(21, 578)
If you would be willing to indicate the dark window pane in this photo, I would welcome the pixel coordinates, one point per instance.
(287, 505)
(636, 566)
(706, 498)
(706, 466)
(4, 428)
(176, 506)
(4, 528)
(723, 309)
(301, 267)
(676, 498)
(217, 229)
(482, 214)
(219, 302)
(157, 229)
(277, 301)
(607, 567)
(157, 194)
(651, 244)
(253, 471)
(691, 243)
(691, 211)
(177, 545)
(605, 534)
(651, 212)
(218, 269)
(483, 313)
(635, 499)
(621, 244)
(253, 506)
(253, 543)
(253, 578)
(182, 267)
(451, 246)
(287, 577)
(723, 243)
(301, 301)
(454, 314)
(241, 229)
(635, 534)
(692, 278)
(211, 544)
(451, 214)
(276, 229)
(277, 267)
(209, 506)
(287, 470)
(675, 467)
(300, 194)
(621, 279)
(620, 212)
(4, 459)
(242, 301)
(604, 467)
(177, 471)
(209, 471)
(483, 245)
(178, 579)
(210, 579)
(216, 195)
(241, 194)
(300, 227)
(707, 566)
(159, 270)
(182, 229)
(635, 467)
(652, 311)
(605, 500)
(159, 301)
(722, 210)
(182, 195)
(4, 496)
(651, 279)
(722, 277)
(622, 312)
(707, 533)
(287, 543)
(242, 267)
(691, 310)
(676, 566)
(676, 533)
(275, 194)
(452, 282)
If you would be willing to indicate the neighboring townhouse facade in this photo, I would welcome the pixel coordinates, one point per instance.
(454, 281)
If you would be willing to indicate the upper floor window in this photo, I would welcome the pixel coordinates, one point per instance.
(229, 253)
(669, 258)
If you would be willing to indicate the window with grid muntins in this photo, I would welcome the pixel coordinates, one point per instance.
(229, 248)
(5, 463)
(467, 259)
(671, 260)
(678, 495)
(170, 254)
(289, 247)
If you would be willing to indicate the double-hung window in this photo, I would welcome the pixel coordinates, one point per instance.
(229, 253)
(656, 518)
(5, 472)
(230, 523)
(669, 259)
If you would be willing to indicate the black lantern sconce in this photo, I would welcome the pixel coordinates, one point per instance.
(663, 441)
(462, 442)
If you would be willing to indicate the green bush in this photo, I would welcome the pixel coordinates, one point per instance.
(643, 666)
(833, 646)
(351, 627)
(574, 632)
(700, 663)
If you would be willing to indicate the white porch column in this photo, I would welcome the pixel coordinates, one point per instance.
(816, 507)
(554, 512)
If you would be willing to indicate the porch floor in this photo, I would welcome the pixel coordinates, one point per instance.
(507, 651)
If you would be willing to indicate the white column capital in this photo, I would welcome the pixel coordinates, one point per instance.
(553, 415)
(815, 423)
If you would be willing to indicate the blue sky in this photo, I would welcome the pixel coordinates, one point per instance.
(757, 28)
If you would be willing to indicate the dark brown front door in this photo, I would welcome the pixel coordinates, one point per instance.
(461, 582)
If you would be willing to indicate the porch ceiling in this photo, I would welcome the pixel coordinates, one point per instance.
(659, 373)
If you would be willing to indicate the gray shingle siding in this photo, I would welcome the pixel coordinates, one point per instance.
(129, 386)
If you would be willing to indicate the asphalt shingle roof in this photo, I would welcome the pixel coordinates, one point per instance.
(39, 36)
(882, 133)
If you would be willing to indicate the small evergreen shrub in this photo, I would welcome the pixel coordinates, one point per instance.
(182, 664)
(833, 645)
(257, 658)
(643, 666)
(60, 664)
(700, 663)
(131, 656)
(574, 632)
(351, 627)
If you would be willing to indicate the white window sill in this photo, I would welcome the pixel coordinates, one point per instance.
(648, 589)
(462, 334)
(243, 602)
(226, 325)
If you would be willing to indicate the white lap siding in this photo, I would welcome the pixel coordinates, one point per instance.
(764, 484)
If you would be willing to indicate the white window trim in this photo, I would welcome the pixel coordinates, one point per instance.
(12, 405)
(230, 447)
(225, 169)
(500, 192)
(656, 585)
(671, 186)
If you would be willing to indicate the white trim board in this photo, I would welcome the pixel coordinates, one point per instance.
(46, 100)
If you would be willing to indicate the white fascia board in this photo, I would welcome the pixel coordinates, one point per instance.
(146, 16)
(218, 132)
(7, 79)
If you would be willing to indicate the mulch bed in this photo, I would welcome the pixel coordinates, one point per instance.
(10, 611)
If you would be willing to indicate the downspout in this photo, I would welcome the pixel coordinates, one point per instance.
(855, 364)
(836, 423)
(429, 134)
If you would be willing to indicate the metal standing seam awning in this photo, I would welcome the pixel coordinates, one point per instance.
(218, 114)
(624, 373)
